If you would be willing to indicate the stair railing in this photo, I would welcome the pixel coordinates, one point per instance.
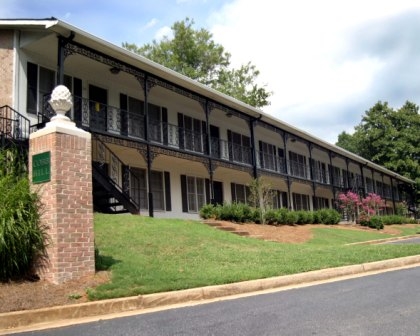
(13, 125)
(119, 175)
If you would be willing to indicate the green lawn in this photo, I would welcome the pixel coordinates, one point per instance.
(147, 255)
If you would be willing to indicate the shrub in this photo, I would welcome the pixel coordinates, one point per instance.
(236, 212)
(282, 216)
(376, 222)
(305, 217)
(291, 217)
(207, 211)
(271, 216)
(23, 240)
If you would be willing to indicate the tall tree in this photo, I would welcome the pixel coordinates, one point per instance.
(194, 54)
(388, 137)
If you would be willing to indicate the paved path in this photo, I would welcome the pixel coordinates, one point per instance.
(381, 304)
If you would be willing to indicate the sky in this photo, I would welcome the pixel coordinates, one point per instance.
(326, 62)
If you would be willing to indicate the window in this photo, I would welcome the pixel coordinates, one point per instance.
(298, 165)
(239, 147)
(279, 199)
(135, 111)
(191, 133)
(320, 203)
(271, 157)
(369, 185)
(158, 190)
(300, 202)
(319, 171)
(41, 82)
(158, 119)
(240, 193)
(337, 178)
(138, 188)
(195, 193)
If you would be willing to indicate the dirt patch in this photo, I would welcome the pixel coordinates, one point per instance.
(24, 295)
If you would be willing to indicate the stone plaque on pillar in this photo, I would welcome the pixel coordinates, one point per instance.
(65, 191)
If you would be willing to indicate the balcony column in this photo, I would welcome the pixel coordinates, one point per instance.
(254, 157)
(289, 195)
(209, 151)
(146, 89)
(331, 173)
(373, 181)
(363, 180)
(392, 194)
(311, 167)
(61, 56)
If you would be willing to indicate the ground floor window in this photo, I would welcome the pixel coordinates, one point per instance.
(195, 193)
(300, 202)
(138, 188)
(320, 203)
(240, 193)
(279, 199)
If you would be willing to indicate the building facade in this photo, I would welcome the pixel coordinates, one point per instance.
(163, 144)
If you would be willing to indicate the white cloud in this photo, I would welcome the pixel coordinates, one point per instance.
(162, 32)
(301, 47)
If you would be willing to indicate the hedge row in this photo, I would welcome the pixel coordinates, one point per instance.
(240, 213)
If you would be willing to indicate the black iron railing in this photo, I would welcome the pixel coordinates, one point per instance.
(13, 125)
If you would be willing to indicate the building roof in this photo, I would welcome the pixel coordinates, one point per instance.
(59, 27)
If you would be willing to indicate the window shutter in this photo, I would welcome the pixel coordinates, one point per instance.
(168, 205)
(124, 114)
(32, 90)
(233, 192)
(184, 193)
(207, 191)
(77, 100)
(165, 125)
(181, 130)
(229, 134)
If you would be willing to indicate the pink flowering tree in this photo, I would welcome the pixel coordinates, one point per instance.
(372, 204)
(350, 203)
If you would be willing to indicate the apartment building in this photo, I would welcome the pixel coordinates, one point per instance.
(163, 144)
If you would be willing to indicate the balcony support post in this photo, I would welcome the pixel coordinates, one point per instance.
(209, 151)
(253, 152)
(147, 137)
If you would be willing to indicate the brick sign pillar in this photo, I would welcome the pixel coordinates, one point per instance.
(60, 171)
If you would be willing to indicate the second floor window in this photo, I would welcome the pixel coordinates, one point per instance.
(239, 147)
(298, 165)
(191, 133)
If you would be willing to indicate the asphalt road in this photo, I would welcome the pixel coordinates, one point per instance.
(382, 304)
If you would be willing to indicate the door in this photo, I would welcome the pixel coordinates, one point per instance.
(218, 192)
(98, 99)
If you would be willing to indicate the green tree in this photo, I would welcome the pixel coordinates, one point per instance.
(194, 54)
(389, 138)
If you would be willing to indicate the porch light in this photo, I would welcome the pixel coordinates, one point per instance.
(229, 114)
(114, 70)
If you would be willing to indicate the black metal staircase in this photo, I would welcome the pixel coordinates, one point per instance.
(114, 186)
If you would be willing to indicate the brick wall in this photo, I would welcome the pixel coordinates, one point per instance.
(6, 67)
(68, 205)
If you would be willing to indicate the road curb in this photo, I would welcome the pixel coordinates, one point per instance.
(27, 318)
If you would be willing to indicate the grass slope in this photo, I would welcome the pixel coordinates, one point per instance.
(147, 255)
